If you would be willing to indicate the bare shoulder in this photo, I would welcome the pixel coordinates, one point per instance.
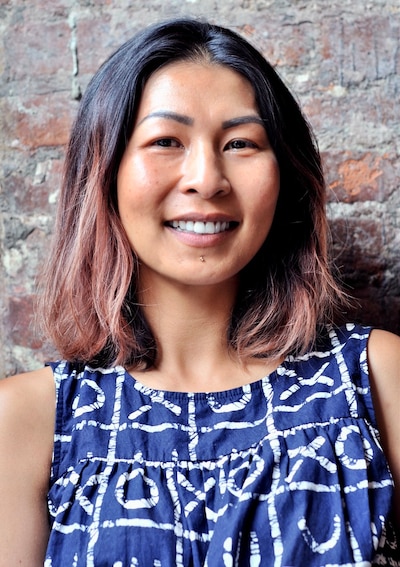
(384, 353)
(28, 397)
(27, 410)
(37, 379)
(384, 370)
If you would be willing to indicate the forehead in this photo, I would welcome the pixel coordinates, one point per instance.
(192, 83)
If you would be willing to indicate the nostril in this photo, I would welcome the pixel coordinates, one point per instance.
(191, 190)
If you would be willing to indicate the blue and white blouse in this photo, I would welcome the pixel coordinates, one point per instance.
(284, 472)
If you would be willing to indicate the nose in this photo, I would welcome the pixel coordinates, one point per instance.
(203, 173)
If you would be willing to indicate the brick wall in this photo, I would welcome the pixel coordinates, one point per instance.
(341, 57)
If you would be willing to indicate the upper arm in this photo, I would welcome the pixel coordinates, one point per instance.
(27, 411)
(384, 368)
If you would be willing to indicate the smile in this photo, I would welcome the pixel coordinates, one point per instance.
(200, 227)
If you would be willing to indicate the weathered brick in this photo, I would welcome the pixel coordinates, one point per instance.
(357, 176)
(20, 321)
(35, 190)
(25, 44)
(35, 121)
(341, 58)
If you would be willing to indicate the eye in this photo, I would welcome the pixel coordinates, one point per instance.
(167, 143)
(240, 144)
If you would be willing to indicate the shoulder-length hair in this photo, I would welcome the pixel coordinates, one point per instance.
(89, 303)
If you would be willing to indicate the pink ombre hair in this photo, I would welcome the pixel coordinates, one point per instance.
(88, 304)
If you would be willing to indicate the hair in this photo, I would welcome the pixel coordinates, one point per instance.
(89, 302)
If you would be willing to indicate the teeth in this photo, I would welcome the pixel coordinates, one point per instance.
(199, 227)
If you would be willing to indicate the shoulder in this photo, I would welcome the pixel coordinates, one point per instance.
(22, 396)
(384, 371)
(383, 355)
(27, 409)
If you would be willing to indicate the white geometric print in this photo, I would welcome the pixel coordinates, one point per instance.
(286, 472)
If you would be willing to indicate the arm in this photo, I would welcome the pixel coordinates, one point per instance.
(27, 413)
(384, 367)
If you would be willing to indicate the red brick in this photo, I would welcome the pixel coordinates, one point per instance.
(34, 192)
(38, 121)
(359, 244)
(94, 48)
(20, 320)
(287, 46)
(35, 48)
(357, 176)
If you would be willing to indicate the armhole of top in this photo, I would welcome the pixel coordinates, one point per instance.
(58, 371)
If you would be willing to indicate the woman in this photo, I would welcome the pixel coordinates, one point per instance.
(207, 412)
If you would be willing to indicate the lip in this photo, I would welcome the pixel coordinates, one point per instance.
(201, 239)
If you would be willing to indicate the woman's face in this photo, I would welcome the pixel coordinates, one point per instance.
(198, 182)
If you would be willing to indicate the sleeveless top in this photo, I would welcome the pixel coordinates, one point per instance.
(284, 472)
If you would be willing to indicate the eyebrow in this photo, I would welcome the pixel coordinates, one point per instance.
(251, 119)
(187, 121)
(181, 118)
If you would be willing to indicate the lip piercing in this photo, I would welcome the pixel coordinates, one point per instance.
(202, 259)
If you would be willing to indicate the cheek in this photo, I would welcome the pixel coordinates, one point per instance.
(264, 200)
(137, 188)
(261, 214)
(265, 183)
(132, 173)
(145, 173)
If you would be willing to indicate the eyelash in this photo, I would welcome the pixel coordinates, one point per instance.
(173, 143)
(242, 144)
(167, 143)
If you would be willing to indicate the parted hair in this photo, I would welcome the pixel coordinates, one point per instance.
(89, 304)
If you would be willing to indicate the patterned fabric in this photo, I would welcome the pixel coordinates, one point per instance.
(285, 472)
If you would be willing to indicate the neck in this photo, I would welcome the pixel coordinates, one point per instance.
(179, 314)
(190, 324)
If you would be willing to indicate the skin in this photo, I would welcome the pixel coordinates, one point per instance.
(203, 155)
(198, 154)
(384, 368)
(27, 404)
(202, 169)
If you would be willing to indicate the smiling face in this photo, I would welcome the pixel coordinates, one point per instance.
(198, 183)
